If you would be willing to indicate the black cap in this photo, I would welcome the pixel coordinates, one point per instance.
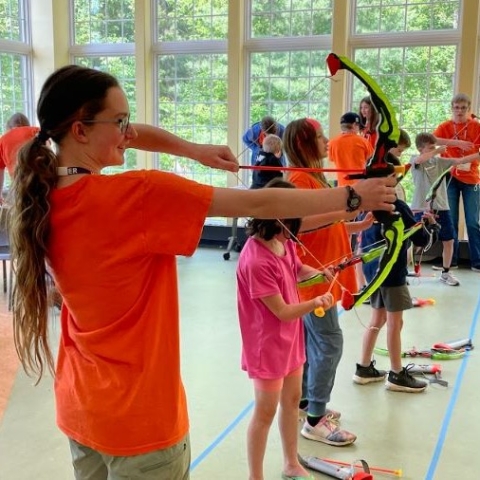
(351, 118)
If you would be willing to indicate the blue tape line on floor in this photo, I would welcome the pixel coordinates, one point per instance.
(220, 438)
(453, 400)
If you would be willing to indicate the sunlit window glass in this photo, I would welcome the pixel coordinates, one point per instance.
(289, 85)
(192, 20)
(378, 16)
(104, 21)
(14, 87)
(192, 102)
(286, 18)
(13, 20)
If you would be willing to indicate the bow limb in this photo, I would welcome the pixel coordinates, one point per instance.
(394, 235)
(377, 166)
(366, 257)
(432, 193)
(388, 131)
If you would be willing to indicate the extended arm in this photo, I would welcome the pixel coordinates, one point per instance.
(155, 139)
(453, 142)
(360, 225)
(424, 157)
(376, 194)
(314, 222)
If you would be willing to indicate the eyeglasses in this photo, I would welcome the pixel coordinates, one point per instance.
(462, 109)
(123, 123)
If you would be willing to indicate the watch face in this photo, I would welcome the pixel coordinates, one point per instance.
(354, 201)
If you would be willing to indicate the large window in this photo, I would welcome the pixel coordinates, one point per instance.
(15, 61)
(192, 103)
(13, 20)
(286, 75)
(417, 62)
(191, 85)
(419, 81)
(288, 85)
(388, 16)
(291, 18)
(182, 20)
(104, 21)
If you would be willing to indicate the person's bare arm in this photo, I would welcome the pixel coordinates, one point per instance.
(155, 139)
(424, 157)
(454, 142)
(306, 271)
(360, 225)
(427, 156)
(467, 159)
(314, 222)
(375, 193)
(288, 312)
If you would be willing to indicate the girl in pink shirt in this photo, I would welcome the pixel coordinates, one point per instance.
(273, 350)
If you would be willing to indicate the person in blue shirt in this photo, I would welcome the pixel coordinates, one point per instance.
(254, 136)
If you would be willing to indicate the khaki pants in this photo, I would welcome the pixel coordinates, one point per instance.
(169, 464)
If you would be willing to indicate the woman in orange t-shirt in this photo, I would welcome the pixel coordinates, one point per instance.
(110, 243)
(306, 146)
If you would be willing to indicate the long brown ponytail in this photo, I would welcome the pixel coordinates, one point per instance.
(71, 93)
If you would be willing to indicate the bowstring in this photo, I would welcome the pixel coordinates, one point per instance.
(240, 180)
(288, 111)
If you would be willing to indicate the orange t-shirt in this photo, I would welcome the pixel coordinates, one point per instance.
(349, 150)
(10, 144)
(329, 244)
(469, 131)
(112, 254)
(370, 135)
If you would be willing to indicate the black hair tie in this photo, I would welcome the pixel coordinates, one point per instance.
(42, 136)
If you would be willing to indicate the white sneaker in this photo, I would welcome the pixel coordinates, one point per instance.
(449, 279)
(475, 269)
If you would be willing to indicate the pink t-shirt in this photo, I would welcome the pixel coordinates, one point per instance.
(272, 348)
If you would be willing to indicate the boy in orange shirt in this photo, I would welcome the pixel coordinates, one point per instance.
(349, 149)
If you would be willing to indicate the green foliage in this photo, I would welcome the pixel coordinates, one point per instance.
(187, 20)
(291, 19)
(11, 20)
(418, 81)
(13, 86)
(104, 21)
(387, 16)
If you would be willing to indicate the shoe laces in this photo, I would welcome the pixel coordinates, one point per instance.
(331, 423)
(407, 369)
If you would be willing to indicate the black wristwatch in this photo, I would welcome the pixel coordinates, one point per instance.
(354, 200)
